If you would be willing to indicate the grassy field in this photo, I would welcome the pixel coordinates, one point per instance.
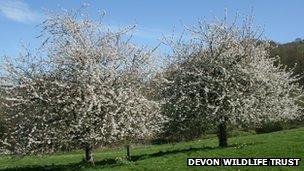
(288, 143)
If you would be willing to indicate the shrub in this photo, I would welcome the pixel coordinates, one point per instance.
(269, 127)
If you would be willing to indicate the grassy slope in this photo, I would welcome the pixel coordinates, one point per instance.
(289, 143)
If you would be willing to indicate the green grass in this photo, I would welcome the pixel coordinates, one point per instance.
(288, 143)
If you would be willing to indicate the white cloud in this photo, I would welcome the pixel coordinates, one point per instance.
(18, 10)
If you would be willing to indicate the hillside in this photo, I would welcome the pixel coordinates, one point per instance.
(291, 54)
(288, 143)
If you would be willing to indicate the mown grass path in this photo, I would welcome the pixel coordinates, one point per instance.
(288, 143)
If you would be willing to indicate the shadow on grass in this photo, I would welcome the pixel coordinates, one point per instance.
(112, 162)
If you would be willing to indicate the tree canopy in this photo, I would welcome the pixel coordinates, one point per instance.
(223, 76)
(83, 89)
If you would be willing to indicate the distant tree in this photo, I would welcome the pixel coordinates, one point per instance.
(223, 76)
(298, 40)
(83, 89)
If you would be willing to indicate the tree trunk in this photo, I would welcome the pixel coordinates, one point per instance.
(128, 152)
(222, 135)
(89, 154)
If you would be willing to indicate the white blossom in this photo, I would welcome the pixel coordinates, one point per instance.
(224, 74)
(85, 87)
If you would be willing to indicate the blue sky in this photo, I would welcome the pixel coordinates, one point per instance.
(282, 19)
